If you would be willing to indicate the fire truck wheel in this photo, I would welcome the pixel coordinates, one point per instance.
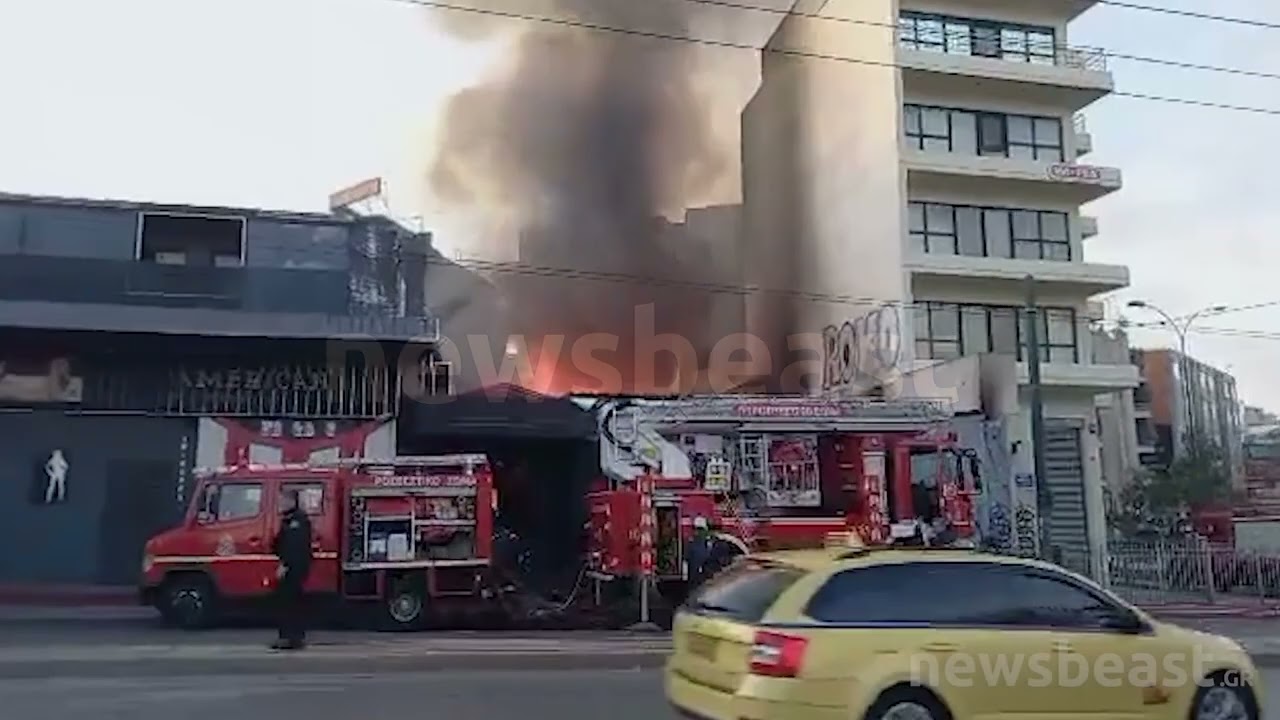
(188, 602)
(406, 605)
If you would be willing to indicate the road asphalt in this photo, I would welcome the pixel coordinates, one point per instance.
(528, 695)
(127, 646)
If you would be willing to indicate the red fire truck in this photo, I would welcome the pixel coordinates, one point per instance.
(770, 473)
(392, 534)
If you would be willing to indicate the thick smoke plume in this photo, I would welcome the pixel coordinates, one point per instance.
(583, 141)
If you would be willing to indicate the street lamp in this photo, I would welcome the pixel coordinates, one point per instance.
(1181, 329)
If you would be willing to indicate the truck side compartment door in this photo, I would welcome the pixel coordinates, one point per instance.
(232, 539)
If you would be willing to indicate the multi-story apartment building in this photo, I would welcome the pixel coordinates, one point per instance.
(912, 168)
(1181, 398)
(139, 340)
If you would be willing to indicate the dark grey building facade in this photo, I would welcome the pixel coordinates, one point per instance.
(123, 325)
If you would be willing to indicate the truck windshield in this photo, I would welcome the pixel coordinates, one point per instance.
(744, 592)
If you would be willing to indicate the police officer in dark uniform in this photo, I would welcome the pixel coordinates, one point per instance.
(292, 546)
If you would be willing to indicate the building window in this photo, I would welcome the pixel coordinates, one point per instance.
(928, 129)
(1019, 137)
(944, 229)
(191, 240)
(960, 36)
(944, 331)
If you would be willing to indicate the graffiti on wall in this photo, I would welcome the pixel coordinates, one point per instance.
(1025, 529)
(871, 344)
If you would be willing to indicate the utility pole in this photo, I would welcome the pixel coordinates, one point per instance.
(1044, 498)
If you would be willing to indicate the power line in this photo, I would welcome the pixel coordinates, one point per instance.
(1231, 20)
(564, 273)
(809, 54)
(1179, 64)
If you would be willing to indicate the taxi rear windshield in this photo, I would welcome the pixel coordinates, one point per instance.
(744, 592)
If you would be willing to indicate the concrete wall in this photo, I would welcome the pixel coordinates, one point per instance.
(824, 189)
(124, 483)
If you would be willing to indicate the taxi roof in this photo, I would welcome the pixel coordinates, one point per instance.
(816, 559)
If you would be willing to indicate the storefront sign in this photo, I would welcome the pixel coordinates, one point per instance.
(297, 429)
(866, 346)
(300, 391)
(1070, 172)
(257, 379)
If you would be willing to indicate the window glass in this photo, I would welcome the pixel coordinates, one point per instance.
(974, 321)
(915, 217)
(907, 32)
(1004, 331)
(945, 350)
(920, 318)
(917, 243)
(1048, 132)
(1061, 326)
(1013, 41)
(959, 38)
(1022, 153)
(744, 592)
(924, 351)
(991, 134)
(1057, 251)
(944, 321)
(938, 219)
(1026, 225)
(911, 119)
(1020, 130)
(1024, 250)
(997, 233)
(992, 595)
(934, 122)
(1041, 47)
(1053, 226)
(969, 231)
(238, 501)
(964, 132)
(310, 495)
(929, 34)
(986, 41)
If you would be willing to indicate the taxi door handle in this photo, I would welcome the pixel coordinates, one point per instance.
(1063, 647)
(941, 647)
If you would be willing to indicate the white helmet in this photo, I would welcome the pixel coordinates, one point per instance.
(700, 523)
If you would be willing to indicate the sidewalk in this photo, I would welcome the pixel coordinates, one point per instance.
(334, 653)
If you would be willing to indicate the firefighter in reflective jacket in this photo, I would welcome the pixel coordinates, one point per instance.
(292, 546)
(701, 549)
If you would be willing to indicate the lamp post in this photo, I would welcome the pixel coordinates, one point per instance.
(1182, 329)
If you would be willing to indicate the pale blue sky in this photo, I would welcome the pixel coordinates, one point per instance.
(275, 103)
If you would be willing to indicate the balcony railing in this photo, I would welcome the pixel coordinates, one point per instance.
(121, 282)
(960, 41)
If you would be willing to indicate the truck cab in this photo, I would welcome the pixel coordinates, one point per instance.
(393, 534)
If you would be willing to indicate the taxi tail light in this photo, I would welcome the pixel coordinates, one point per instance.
(777, 655)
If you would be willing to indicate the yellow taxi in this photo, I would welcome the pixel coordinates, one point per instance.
(932, 634)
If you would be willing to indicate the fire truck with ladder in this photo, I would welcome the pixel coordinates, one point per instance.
(769, 472)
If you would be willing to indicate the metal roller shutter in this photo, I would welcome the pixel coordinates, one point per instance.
(1064, 475)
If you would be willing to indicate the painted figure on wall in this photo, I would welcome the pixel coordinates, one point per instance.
(49, 478)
